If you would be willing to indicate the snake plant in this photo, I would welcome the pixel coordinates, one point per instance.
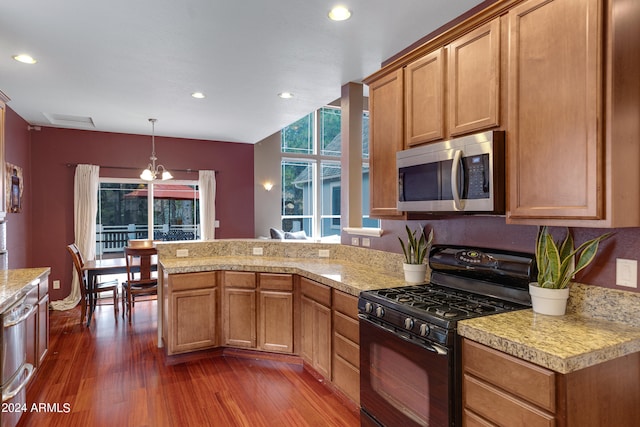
(417, 247)
(556, 265)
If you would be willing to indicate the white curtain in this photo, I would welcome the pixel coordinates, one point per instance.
(207, 187)
(85, 209)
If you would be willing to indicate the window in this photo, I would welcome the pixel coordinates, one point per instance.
(125, 211)
(311, 174)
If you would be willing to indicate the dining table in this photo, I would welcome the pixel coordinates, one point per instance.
(108, 266)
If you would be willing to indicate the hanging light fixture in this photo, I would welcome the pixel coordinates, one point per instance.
(152, 171)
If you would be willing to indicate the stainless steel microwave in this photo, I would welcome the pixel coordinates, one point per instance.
(462, 175)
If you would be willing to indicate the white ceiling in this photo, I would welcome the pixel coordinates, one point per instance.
(121, 62)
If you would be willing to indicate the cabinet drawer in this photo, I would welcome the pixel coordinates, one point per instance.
(526, 380)
(188, 281)
(239, 279)
(346, 349)
(316, 291)
(43, 287)
(347, 327)
(500, 407)
(346, 378)
(276, 282)
(345, 303)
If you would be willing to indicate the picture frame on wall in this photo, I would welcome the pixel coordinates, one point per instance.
(14, 188)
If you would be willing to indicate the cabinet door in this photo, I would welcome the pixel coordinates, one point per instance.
(306, 329)
(276, 321)
(240, 317)
(424, 99)
(554, 147)
(474, 80)
(193, 317)
(322, 339)
(385, 139)
(43, 328)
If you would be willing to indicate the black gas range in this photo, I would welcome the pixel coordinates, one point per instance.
(408, 334)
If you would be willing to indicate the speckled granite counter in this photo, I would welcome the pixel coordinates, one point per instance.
(14, 284)
(346, 276)
(582, 338)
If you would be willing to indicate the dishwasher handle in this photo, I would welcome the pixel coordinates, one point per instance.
(25, 310)
(13, 389)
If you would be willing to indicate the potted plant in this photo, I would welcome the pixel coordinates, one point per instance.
(415, 250)
(556, 267)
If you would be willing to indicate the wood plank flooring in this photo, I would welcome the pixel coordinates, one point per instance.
(113, 374)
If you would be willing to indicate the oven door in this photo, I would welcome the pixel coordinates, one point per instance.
(403, 383)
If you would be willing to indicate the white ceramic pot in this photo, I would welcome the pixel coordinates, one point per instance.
(415, 273)
(548, 301)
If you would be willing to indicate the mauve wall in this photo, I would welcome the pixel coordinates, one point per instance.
(17, 152)
(493, 232)
(51, 184)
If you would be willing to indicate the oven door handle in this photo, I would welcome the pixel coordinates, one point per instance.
(26, 309)
(423, 343)
(13, 389)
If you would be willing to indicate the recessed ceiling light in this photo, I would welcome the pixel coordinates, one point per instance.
(198, 95)
(285, 95)
(24, 58)
(339, 13)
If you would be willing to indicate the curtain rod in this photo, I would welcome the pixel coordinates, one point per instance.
(71, 165)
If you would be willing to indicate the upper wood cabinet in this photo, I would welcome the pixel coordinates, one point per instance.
(573, 149)
(454, 89)
(474, 80)
(385, 139)
(424, 93)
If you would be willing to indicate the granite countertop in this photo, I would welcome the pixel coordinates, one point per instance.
(346, 276)
(14, 284)
(561, 343)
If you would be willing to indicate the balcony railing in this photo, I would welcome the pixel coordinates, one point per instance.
(113, 238)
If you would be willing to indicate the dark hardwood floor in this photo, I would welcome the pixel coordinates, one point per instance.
(113, 374)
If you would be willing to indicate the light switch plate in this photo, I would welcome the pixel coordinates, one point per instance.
(323, 253)
(257, 251)
(627, 272)
(56, 284)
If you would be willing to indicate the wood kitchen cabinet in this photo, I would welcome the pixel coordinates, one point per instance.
(385, 139)
(239, 309)
(37, 324)
(258, 311)
(275, 308)
(457, 96)
(502, 390)
(573, 85)
(315, 326)
(346, 344)
(192, 306)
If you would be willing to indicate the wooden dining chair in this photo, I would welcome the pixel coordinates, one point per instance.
(140, 281)
(97, 288)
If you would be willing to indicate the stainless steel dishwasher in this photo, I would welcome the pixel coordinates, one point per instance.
(16, 372)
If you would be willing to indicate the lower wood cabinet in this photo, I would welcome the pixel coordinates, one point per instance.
(258, 311)
(315, 325)
(192, 312)
(502, 390)
(346, 345)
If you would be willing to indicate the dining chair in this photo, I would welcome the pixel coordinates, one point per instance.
(140, 281)
(97, 288)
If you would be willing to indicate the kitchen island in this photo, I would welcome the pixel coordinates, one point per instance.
(15, 284)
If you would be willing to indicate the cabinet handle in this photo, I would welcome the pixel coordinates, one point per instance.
(457, 204)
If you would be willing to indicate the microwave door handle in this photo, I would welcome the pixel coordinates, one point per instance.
(457, 204)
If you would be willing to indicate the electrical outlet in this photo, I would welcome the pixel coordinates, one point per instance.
(56, 284)
(355, 241)
(323, 253)
(627, 272)
(366, 242)
(181, 253)
(257, 251)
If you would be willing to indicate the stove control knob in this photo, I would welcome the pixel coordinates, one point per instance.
(408, 323)
(424, 330)
(379, 311)
(368, 307)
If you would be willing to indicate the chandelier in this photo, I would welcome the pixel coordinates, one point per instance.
(152, 171)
